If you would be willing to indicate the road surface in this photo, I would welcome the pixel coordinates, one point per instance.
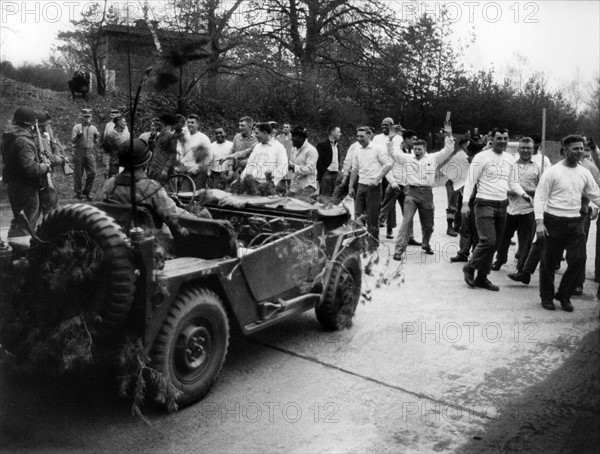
(430, 365)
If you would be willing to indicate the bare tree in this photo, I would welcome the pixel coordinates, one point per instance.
(83, 44)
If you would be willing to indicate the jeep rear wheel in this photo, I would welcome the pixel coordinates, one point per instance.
(192, 344)
(342, 292)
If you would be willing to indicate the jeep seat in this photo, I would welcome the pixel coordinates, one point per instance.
(207, 239)
(123, 215)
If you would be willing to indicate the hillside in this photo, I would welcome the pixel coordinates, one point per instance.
(65, 113)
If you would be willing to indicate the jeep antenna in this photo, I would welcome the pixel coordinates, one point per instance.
(133, 104)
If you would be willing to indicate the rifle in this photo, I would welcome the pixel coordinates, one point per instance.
(58, 149)
(48, 192)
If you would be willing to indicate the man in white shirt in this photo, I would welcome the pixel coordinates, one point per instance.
(303, 164)
(382, 138)
(558, 219)
(492, 171)
(114, 113)
(520, 217)
(420, 171)
(370, 163)
(402, 139)
(342, 185)
(221, 169)
(193, 151)
(267, 158)
(243, 143)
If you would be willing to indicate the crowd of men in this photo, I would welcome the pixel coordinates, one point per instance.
(549, 207)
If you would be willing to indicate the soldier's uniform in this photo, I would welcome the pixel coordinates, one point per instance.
(23, 171)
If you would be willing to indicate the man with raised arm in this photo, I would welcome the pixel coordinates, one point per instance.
(419, 169)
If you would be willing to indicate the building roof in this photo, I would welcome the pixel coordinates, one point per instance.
(141, 30)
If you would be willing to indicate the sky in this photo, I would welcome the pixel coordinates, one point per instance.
(559, 38)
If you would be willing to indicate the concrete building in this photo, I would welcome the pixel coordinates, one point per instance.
(119, 44)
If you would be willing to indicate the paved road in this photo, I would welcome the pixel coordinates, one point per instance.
(430, 365)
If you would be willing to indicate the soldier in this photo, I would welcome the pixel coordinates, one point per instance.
(51, 152)
(23, 171)
(150, 196)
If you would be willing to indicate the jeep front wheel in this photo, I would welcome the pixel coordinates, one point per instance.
(192, 344)
(342, 292)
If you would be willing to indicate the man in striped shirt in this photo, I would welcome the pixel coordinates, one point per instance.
(493, 172)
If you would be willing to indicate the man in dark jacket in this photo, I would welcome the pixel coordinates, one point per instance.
(23, 171)
(328, 164)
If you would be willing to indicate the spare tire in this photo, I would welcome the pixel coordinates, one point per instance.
(113, 287)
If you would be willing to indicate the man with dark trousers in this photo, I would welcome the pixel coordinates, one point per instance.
(370, 164)
(328, 164)
(493, 173)
(558, 219)
(85, 138)
(397, 193)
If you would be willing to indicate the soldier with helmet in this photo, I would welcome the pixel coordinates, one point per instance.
(150, 195)
(51, 152)
(23, 170)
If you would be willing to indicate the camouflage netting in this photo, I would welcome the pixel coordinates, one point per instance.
(50, 311)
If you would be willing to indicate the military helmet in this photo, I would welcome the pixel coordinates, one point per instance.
(139, 155)
(25, 116)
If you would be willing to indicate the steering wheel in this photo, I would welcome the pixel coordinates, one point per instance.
(173, 185)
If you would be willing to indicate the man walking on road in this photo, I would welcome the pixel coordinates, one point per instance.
(493, 173)
(370, 164)
(420, 170)
(558, 219)
(520, 217)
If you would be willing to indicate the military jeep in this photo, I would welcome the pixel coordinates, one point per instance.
(258, 261)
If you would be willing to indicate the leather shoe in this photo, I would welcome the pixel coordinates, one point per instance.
(427, 250)
(389, 236)
(565, 302)
(469, 275)
(486, 284)
(89, 198)
(520, 276)
(578, 291)
(548, 305)
(459, 258)
(413, 242)
(451, 232)
(496, 266)
(397, 257)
